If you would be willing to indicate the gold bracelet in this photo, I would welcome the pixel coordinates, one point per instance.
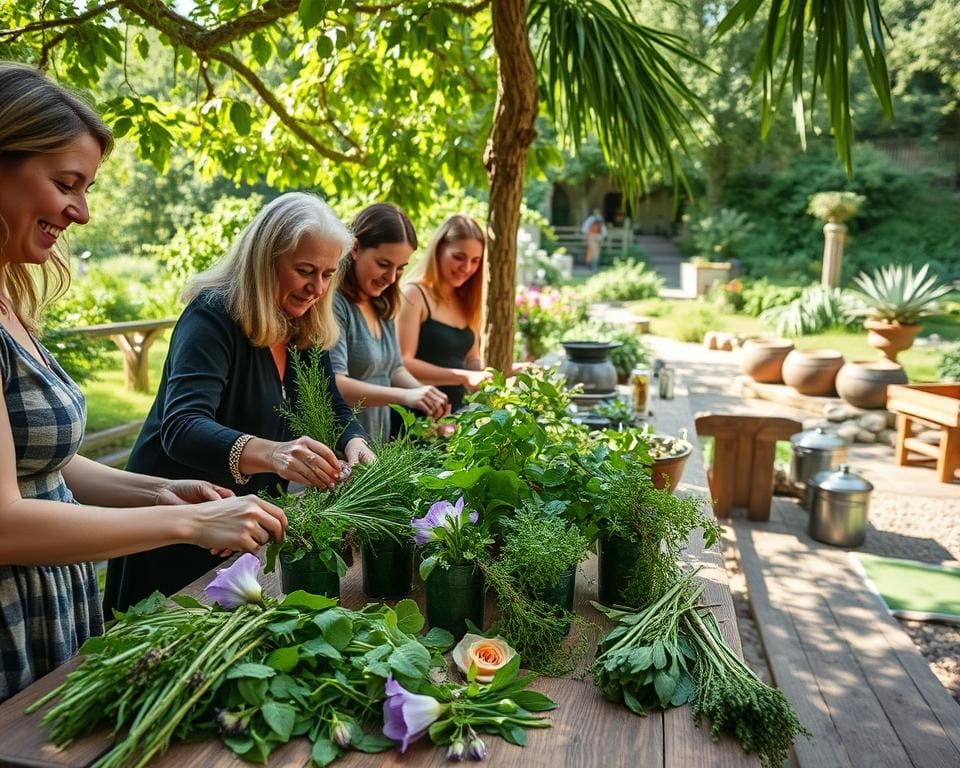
(233, 461)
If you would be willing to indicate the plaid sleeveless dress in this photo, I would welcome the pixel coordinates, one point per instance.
(46, 611)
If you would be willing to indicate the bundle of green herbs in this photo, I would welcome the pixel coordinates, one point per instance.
(258, 675)
(671, 652)
(539, 551)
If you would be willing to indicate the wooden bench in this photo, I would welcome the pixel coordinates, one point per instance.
(935, 406)
(742, 471)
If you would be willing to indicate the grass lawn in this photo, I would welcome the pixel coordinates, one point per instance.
(110, 403)
(688, 320)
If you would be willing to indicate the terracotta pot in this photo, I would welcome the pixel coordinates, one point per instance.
(890, 338)
(812, 371)
(666, 472)
(762, 359)
(864, 383)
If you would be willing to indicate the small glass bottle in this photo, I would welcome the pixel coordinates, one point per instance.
(640, 390)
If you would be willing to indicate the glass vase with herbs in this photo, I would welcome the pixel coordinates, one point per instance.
(453, 545)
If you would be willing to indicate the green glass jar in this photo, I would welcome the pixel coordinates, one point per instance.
(309, 574)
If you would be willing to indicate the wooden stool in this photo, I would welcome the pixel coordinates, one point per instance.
(935, 406)
(742, 471)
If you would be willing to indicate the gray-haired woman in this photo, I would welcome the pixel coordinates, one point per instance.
(226, 376)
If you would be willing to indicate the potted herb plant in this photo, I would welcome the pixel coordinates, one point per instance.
(896, 299)
(453, 544)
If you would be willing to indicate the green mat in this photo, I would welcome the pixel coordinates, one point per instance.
(910, 589)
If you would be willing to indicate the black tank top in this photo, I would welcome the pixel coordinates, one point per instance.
(446, 346)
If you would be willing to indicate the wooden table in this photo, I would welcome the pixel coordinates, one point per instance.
(587, 730)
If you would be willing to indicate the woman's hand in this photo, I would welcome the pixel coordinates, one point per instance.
(237, 524)
(473, 380)
(427, 399)
(356, 451)
(306, 461)
(190, 492)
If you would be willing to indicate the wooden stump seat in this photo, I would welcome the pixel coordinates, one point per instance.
(742, 471)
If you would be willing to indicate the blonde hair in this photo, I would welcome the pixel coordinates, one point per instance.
(470, 295)
(246, 278)
(38, 116)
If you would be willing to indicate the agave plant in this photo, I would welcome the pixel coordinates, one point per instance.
(895, 294)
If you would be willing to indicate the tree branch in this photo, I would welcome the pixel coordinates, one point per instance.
(68, 21)
(294, 125)
(464, 10)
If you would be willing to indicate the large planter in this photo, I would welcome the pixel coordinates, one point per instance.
(309, 574)
(762, 359)
(387, 568)
(455, 594)
(697, 277)
(616, 561)
(588, 363)
(890, 338)
(812, 371)
(667, 471)
(864, 383)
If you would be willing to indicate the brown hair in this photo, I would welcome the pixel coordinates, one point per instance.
(377, 224)
(39, 116)
(470, 295)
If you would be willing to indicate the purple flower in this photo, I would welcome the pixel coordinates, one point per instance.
(456, 750)
(407, 716)
(442, 514)
(476, 749)
(237, 584)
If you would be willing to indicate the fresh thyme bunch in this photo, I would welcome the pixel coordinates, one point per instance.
(735, 699)
(313, 415)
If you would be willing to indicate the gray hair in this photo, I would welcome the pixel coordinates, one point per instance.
(246, 277)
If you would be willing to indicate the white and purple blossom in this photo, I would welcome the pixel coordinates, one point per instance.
(406, 715)
(441, 515)
(237, 584)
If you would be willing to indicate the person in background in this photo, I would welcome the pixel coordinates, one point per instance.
(439, 320)
(227, 374)
(594, 229)
(60, 512)
(367, 362)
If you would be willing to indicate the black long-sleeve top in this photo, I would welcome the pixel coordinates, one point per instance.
(215, 388)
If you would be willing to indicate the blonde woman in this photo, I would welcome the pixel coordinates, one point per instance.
(60, 512)
(226, 375)
(439, 319)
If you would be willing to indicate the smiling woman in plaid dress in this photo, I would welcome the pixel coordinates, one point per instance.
(59, 511)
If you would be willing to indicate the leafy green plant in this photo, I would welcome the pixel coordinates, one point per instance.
(618, 411)
(948, 369)
(539, 545)
(693, 324)
(815, 310)
(625, 280)
(760, 295)
(895, 294)
(715, 236)
(728, 295)
(835, 207)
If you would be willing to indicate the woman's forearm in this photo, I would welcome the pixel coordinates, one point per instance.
(355, 391)
(428, 373)
(94, 483)
(41, 532)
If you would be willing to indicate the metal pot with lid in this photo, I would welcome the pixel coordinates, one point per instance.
(839, 502)
(815, 450)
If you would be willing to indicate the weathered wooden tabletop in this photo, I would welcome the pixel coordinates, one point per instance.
(587, 730)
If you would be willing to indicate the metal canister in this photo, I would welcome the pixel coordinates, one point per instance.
(815, 450)
(640, 389)
(838, 510)
(665, 389)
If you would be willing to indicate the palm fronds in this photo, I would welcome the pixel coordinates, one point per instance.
(603, 73)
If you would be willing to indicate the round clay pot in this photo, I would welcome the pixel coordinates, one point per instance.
(864, 383)
(762, 359)
(890, 338)
(812, 371)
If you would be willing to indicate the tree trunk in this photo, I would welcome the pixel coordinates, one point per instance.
(511, 136)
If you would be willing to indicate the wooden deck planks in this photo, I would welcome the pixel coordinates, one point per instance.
(886, 706)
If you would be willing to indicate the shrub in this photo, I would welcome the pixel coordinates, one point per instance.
(761, 295)
(948, 369)
(728, 296)
(816, 309)
(694, 324)
(626, 280)
(716, 235)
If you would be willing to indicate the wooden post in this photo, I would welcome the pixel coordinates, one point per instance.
(135, 346)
